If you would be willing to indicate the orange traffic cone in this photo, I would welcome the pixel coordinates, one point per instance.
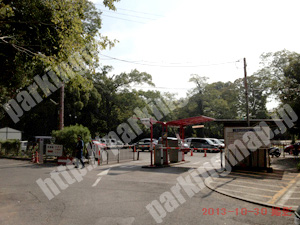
(36, 157)
(204, 153)
(192, 152)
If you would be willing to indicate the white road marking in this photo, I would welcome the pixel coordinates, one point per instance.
(288, 195)
(96, 182)
(105, 172)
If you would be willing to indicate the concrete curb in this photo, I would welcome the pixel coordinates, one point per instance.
(22, 159)
(245, 199)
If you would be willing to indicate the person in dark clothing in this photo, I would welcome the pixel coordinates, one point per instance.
(79, 151)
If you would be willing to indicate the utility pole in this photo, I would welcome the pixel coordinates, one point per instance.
(246, 92)
(61, 107)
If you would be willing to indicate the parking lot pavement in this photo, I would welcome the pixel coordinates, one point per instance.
(119, 194)
(278, 189)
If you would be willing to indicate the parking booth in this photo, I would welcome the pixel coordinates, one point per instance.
(246, 147)
(172, 149)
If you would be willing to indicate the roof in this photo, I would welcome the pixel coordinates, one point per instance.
(190, 121)
(253, 122)
(9, 130)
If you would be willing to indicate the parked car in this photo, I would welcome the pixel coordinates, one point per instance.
(218, 142)
(145, 141)
(202, 143)
(111, 142)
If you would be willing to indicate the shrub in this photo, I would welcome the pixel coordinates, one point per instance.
(10, 147)
(68, 137)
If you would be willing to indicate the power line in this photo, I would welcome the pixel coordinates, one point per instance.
(160, 65)
(129, 10)
(124, 19)
(160, 88)
(124, 14)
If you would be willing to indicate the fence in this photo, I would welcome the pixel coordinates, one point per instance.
(115, 154)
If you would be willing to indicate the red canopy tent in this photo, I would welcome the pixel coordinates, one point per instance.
(181, 123)
(189, 121)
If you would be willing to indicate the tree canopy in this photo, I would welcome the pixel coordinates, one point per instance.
(39, 36)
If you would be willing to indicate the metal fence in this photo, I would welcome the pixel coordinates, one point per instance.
(115, 155)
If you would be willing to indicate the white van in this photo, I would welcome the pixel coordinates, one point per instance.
(23, 146)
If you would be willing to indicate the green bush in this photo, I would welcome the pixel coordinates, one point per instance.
(68, 137)
(10, 147)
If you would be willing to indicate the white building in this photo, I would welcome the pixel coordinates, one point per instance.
(9, 133)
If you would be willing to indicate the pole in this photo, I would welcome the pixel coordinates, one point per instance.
(151, 146)
(246, 92)
(61, 109)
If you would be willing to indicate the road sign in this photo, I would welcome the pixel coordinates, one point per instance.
(54, 150)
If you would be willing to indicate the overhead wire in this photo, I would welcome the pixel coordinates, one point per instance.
(124, 14)
(129, 10)
(123, 19)
(160, 65)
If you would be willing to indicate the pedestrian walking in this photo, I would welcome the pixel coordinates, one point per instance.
(79, 151)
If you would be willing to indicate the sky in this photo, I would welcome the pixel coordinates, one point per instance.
(172, 39)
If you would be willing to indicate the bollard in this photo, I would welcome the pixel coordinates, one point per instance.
(192, 152)
(33, 158)
(204, 153)
(99, 158)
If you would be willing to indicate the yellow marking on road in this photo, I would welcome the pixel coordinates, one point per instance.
(282, 191)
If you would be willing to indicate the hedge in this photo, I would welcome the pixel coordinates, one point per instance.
(10, 147)
(68, 137)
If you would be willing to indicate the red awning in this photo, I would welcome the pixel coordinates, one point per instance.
(190, 121)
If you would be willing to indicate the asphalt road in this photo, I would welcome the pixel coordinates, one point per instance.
(119, 194)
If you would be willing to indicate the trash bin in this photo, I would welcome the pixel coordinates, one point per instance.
(175, 155)
(159, 157)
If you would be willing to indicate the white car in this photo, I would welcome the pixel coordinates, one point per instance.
(111, 142)
(218, 142)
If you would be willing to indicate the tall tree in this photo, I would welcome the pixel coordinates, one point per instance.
(39, 34)
(115, 94)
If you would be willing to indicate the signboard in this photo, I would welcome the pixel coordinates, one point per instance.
(240, 140)
(54, 150)
(239, 133)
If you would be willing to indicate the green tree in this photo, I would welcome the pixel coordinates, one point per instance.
(39, 34)
(116, 98)
(68, 137)
(257, 97)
